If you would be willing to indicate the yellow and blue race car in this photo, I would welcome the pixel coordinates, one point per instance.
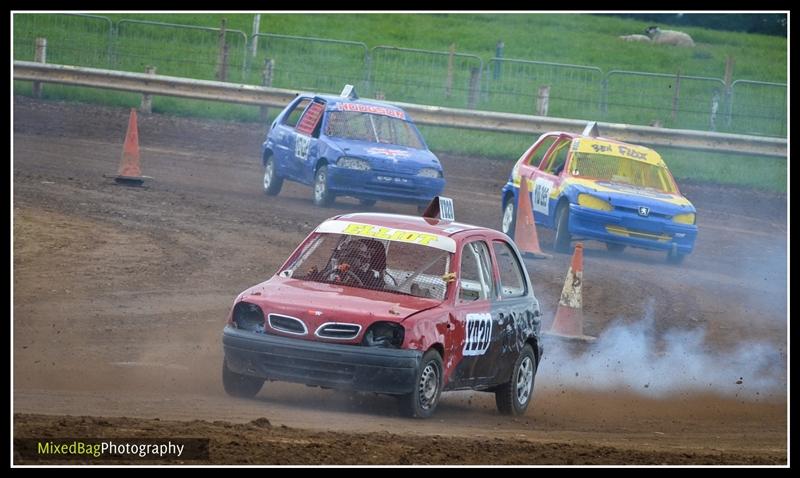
(587, 187)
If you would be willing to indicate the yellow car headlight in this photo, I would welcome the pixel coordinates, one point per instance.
(687, 218)
(592, 202)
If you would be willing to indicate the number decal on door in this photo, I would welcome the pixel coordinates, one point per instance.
(301, 144)
(478, 334)
(541, 195)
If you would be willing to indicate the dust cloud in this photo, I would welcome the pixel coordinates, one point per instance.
(631, 356)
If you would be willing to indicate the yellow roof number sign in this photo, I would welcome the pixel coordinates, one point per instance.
(387, 233)
(639, 153)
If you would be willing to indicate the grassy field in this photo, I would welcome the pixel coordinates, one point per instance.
(564, 38)
(579, 39)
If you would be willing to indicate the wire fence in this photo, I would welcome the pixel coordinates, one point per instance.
(442, 78)
(518, 86)
(83, 40)
(758, 107)
(316, 64)
(438, 78)
(180, 50)
(672, 101)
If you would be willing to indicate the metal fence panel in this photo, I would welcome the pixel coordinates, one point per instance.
(758, 107)
(512, 86)
(423, 114)
(306, 63)
(424, 76)
(72, 39)
(180, 50)
(670, 101)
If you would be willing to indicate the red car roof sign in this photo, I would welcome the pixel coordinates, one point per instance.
(388, 233)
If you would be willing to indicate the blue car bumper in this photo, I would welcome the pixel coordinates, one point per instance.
(647, 233)
(384, 186)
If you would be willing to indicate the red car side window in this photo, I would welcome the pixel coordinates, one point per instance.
(512, 280)
(477, 281)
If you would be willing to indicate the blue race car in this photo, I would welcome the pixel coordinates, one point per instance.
(346, 146)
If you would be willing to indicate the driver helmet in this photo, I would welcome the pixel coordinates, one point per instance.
(356, 253)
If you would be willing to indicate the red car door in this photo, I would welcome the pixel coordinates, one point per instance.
(472, 310)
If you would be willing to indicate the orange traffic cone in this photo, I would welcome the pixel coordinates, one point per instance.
(568, 323)
(129, 171)
(524, 227)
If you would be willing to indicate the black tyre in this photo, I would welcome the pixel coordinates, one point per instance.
(509, 220)
(615, 248)
(513, 397)
(561, 242)
(422, 402)
(675, 257)
(237, 385)
(367, 202)
(322, 195)
(272, 182)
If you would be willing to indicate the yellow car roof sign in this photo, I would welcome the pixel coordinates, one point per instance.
(613, 148)
(387, 233)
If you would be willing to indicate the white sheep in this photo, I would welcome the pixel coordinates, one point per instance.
(669, 37)
(643, 38)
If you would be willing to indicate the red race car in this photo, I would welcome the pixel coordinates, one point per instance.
(400, 305)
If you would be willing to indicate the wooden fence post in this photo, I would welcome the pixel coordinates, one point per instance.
(266, 80)
(676, 96)
(543, 100)
(448, 86)
(729, 63)
(147, 100)
(498, 53)
(474, 87)
(254, 43)
(39, 56)
(222, 57)
(715, 99)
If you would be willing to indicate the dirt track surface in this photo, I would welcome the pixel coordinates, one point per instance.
(120, 295)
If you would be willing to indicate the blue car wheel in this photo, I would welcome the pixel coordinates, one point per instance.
(509, 219)
(322, 194)
(562, 239)
(675, 257)
(272, 182)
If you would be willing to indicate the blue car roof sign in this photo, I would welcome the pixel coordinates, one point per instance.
(349, 92)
